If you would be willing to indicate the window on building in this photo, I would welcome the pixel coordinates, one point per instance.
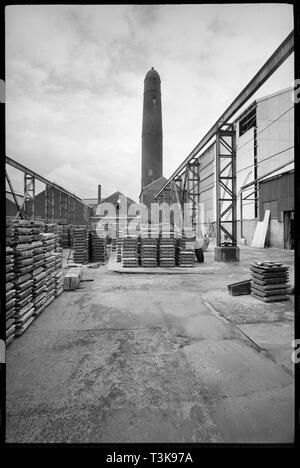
(154, 100)
(150, 172)
(248, 121)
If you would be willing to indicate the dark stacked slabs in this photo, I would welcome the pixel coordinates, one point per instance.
(53, 228)
(59, 235)
(58, 272)
(10, 305)
(113, 244)
(81, 245)
(97, 246)
(149, 247)
(49, 265)
(167, 250)
(65, 237)
(269, 281)
(130, 256)
(71, 235)
(39, 276)
(24, 287)
(185, 253)
(149, 252)
(10, 234)
(119, 250)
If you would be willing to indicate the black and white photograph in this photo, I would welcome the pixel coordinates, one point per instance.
(150, 232)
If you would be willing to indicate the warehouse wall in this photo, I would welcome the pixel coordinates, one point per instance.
(82, 212)
(208, 184)
(276, 195)
(245, 171)
(276, 137)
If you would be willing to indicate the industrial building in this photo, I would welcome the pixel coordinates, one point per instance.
(264, 171)
(143, 343)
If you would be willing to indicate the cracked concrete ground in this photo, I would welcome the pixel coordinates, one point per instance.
(154, 358)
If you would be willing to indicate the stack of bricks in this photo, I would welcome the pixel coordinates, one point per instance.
(97, 245)
(167, 249)
(10, 296)
(149, 247)
(269, 281)
(130, 255)
(49, 243)
(81, 245)
(23, 269)
(185, 252)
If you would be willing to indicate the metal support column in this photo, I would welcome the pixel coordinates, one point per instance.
(29, 196)
(226, 223)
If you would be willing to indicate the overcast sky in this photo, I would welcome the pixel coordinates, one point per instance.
(74, 83)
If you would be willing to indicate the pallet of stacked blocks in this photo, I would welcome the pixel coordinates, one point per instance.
(81, 245)
(10, 303)
(130, 251)
(39, 276)
(149, 247)
(119, 250)
(97, 245)
(65, 237)
(270, 281)
(167, 248)
(23, 269)
(49, 265)
(10, 234)
(185, 252)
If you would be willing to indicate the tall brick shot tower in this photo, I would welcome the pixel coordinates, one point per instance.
(152, 149)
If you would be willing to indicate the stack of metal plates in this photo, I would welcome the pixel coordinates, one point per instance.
(149, 252)
(81, 245)
(10, 234)
(10, 296)
(39, 277)
(97, 246)
(71, 234)
(167, 251)
(269, 281)
(149, 246)
(65, 237)
(119, 250)
(58, 273)
(130, 256)
(49, 265)
(185, 253)
(24, 287)
(54, 229)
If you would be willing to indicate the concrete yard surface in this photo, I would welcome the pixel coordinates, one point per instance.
(155, 358)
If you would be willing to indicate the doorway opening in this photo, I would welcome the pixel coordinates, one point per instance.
(288, 218)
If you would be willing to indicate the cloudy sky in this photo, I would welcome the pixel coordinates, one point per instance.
(74, 83)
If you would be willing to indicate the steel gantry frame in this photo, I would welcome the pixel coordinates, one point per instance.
(179, 180)
(226, 186)
(26, 210)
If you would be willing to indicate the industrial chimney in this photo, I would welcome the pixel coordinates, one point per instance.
(152, 162)
(99, 193)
